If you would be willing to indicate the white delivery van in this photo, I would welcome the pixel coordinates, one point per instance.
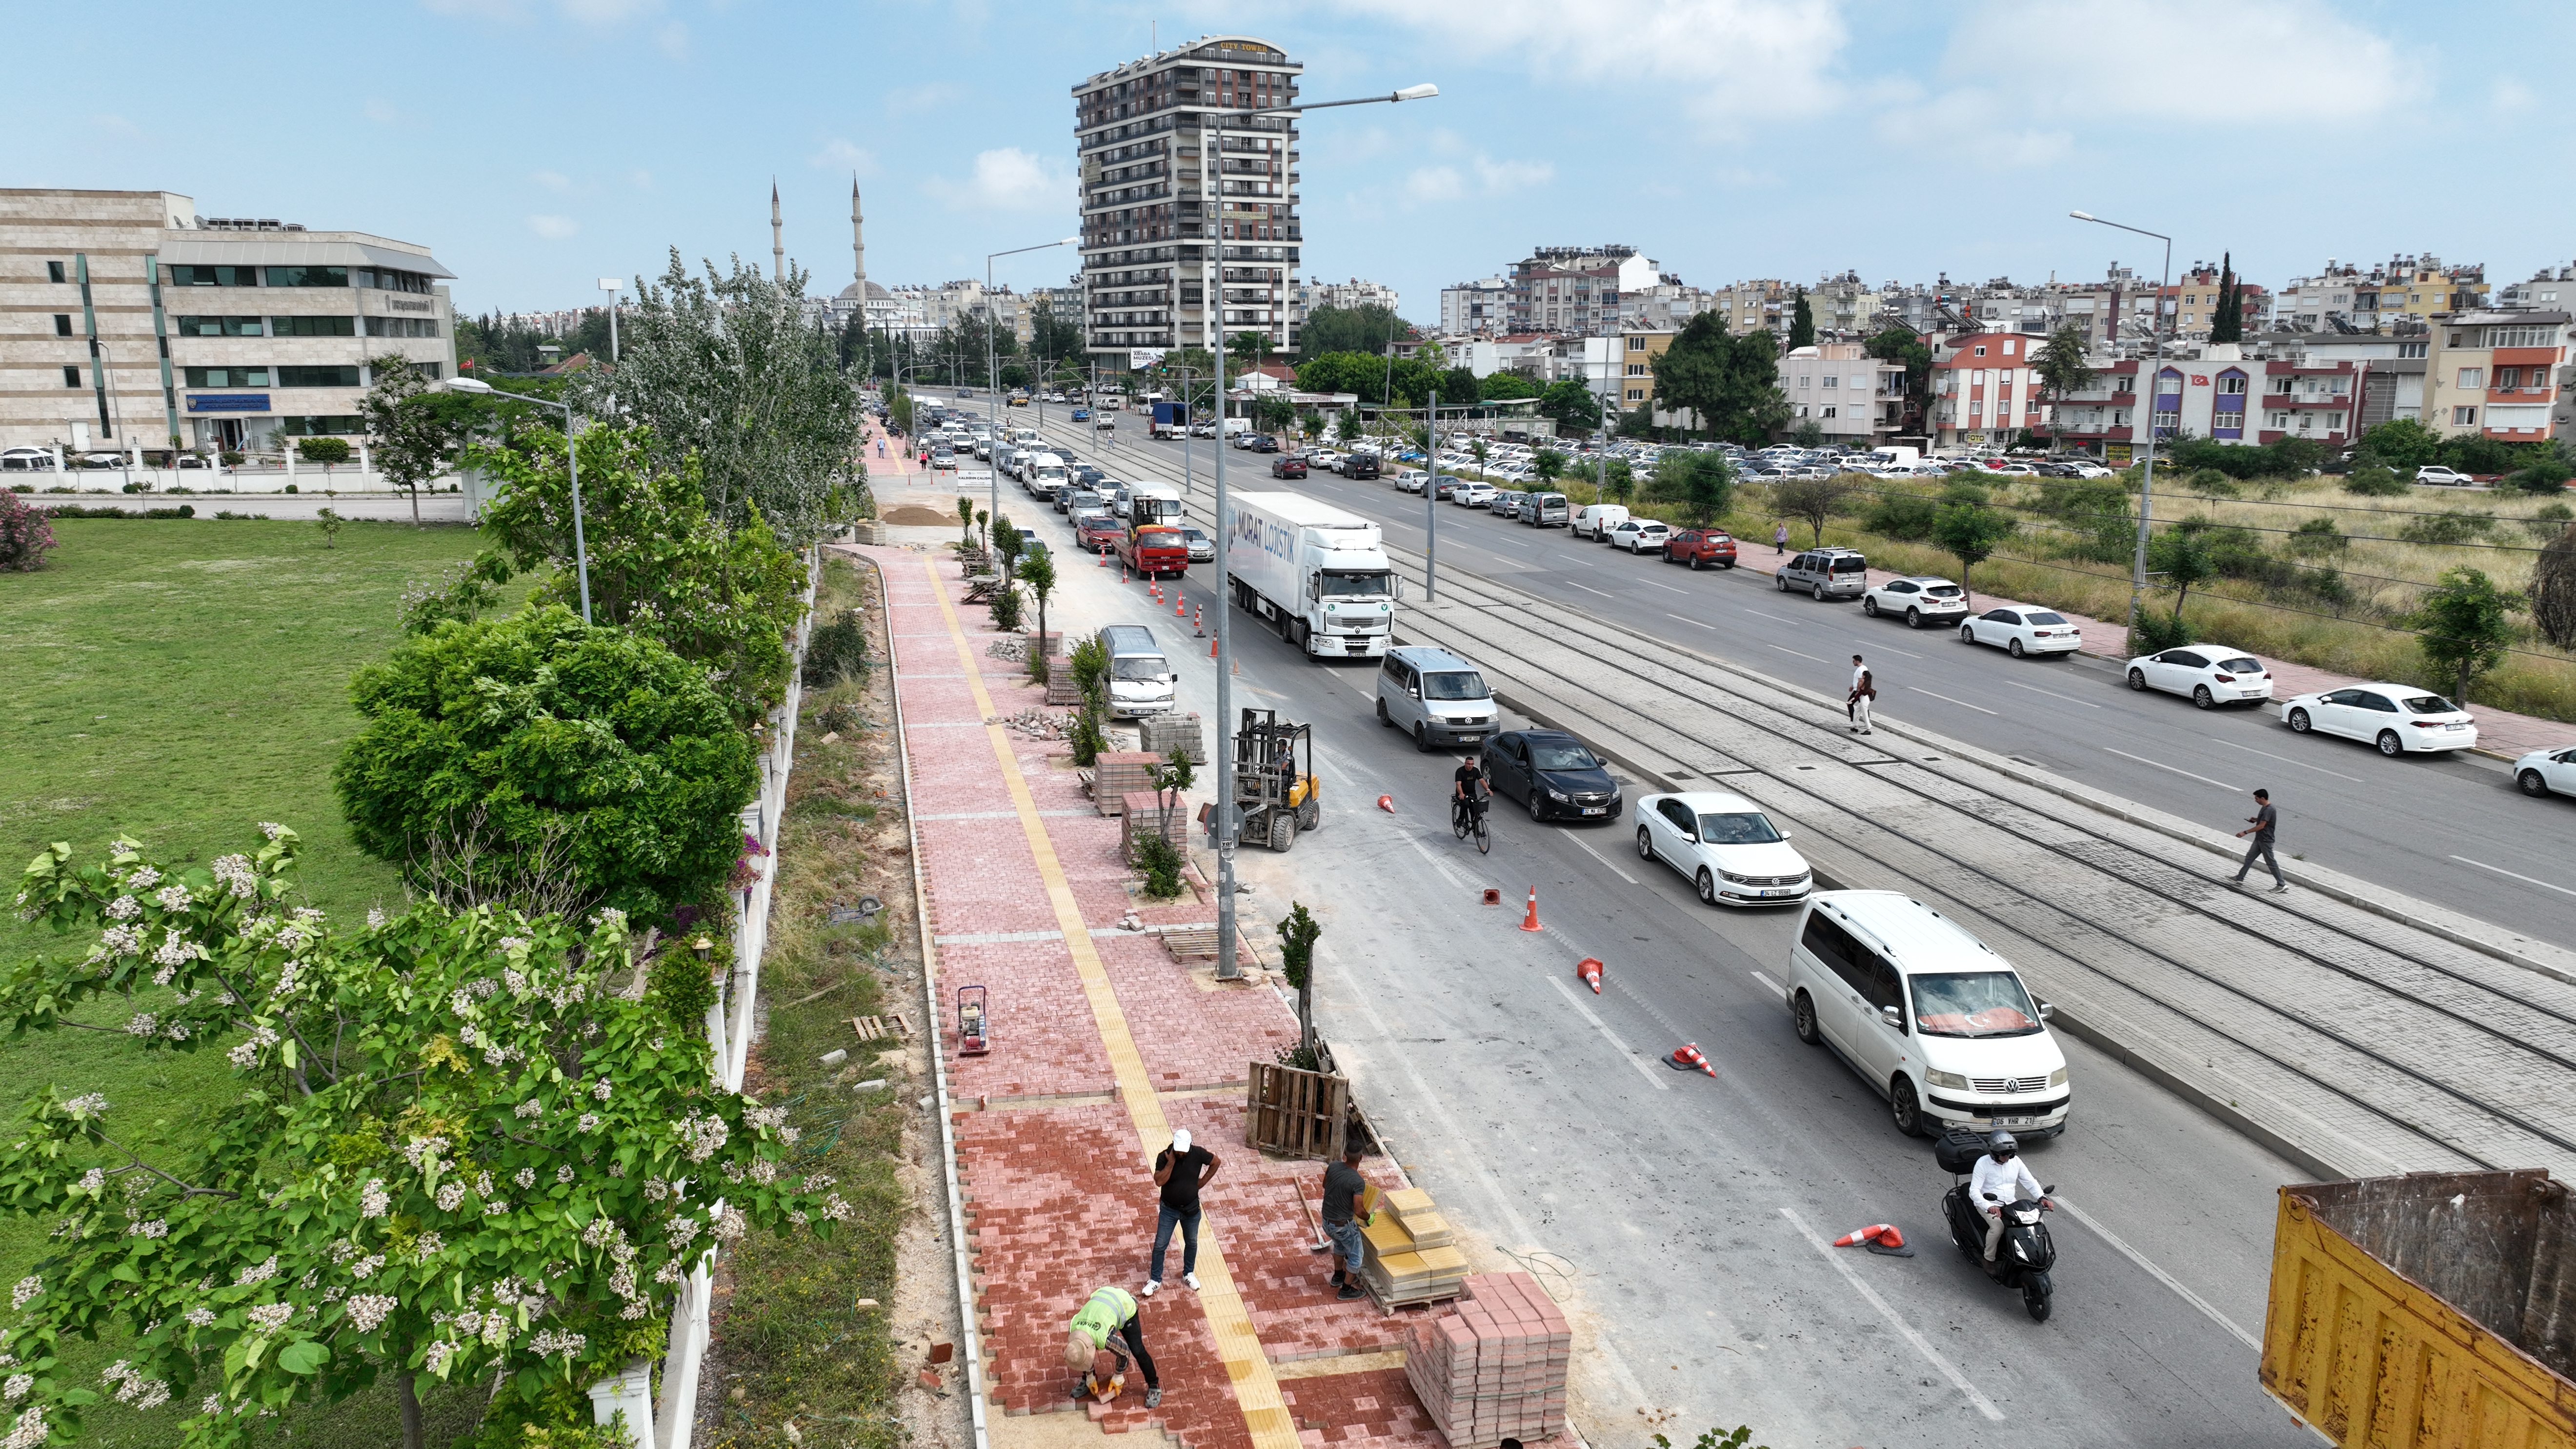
(1595, 520)
(1048, 475)
(1929, 1015)
(1140, 678)
(1436, 697)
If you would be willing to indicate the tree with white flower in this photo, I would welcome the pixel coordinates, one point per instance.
(468, 1143)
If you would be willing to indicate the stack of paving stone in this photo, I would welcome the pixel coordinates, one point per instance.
(1161, 734)
(1118, 774)
(1495, 1368)
(1407, 1255)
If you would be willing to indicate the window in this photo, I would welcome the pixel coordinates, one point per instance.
(62, 324)
(319, 426)
(1636, 395)
(2008, 348)
(2521, 337)
(2279, 386)
(1803, 380)
(2126, 382)
(2509, 378)
(1830, 410)
(2231, 384)
(307, 276)
(53, 271)
(1981, 351)
(1639, 369)
(2165, 419)
(1833, 380)
(2464, 417)
(2411, 349)
(1978, 375)
(2276, 418)
(382, 279)
(1837, 951)
(222, 326)
(2472, 379)
(401, 326)
(228, 377)
(205, 276)
(1636, 344)
(312, 326)
(71, 375)
(324, 376)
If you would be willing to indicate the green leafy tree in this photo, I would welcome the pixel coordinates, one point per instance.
(1366, 329)
(2553, 589)
(1809, 433)
(1273, 413)
(537, 746)
(2464, 626)
(2374, 480)
(1298, 932)
(1970, 529)
(2181, 558)
(1349, 372)
(2546, 478)
(965, 521)
(415, 444)
(467, 1144)
(1505, 387)
(1802, 323)
(2060, 367)
(1729, 384)
(1812, 501)
(1701, 484)
(1618, 482)
(1038, 573)
(329, 452)
(2228, 323)
(2401, 445)
(1575, 407)
(330, 522)
(1549, 465)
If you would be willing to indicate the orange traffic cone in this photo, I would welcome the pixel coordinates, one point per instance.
(1530, 921)
(1689, 1056)
(1104, 559)
(1493, 897)
(1122, 570)
(1589, 968)
(1870, 1234)
(1211, 648)
(1180, 609)
(1386, 803)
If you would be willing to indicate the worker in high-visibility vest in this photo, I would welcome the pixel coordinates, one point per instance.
(1109, 1312)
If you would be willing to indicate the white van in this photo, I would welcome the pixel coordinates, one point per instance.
(1140, 678)
(1595, 520)
(1928, 1015)
(1048, 475)
(1436, 697)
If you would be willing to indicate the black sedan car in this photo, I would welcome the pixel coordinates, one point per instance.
(1288, 465)
(1552, 773)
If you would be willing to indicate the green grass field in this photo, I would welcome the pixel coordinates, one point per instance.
(179, 682)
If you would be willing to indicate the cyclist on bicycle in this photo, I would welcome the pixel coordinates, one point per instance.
(1469, 791)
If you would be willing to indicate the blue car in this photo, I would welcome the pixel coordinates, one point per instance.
(1082, 415)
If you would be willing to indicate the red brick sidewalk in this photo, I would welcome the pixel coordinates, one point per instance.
(1052, 1152)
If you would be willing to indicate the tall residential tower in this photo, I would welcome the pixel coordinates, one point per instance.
(1169, 221)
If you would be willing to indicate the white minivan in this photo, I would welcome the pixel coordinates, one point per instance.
(1595, 520)
(1928, 1015)
(1048, 475)
(1436, 697)
(1140, 678)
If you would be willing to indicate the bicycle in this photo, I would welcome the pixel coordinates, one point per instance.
(1465, 818)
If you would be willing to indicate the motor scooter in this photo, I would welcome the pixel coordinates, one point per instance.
(2026, 1254)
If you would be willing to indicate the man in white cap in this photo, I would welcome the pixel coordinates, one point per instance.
(1180, 1171)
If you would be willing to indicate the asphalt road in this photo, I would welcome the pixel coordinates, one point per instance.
(1684, 1217)
(2450, 829)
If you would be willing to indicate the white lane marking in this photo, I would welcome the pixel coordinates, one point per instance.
(1691, 621)
(1442, 866)
(2526, 880)
(1587, 588)
(2159, 1274)
(1961, 703)
(1586, 848)
(1787, 650)
(2186, 774)
(2053, 694)
(1603, 1027)
(1884, 648)
(1922, 1345)
(1774, 985)
(2286, 760)
(1782, 618)
(1667, 588)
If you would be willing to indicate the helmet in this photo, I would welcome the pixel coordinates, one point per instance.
(2001, 1144)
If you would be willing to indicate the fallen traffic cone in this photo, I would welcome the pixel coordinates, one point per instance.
(1869, 1234)
(1589, 968)
(1386, 803)
(1198, 621)
(1689, 1056)
(1530, 921)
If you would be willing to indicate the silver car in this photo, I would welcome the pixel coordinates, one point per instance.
(1436, 697)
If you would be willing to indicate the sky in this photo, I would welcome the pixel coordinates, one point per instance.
(537, 146)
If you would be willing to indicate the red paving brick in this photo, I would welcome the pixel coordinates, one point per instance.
(1061, 1197)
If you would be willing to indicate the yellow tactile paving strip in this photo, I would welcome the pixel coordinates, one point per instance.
(1247, 1364)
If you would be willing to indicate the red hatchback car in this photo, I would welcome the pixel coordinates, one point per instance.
(1288, 465)
(1099, 533)
(1700, 547)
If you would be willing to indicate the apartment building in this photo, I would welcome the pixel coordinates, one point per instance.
(2191, 303)
(1843, 306)
(1475, 309)
(128, 321)
(1635, 365)
(1186, 242)
(1313, 293)
(1667, 306)
(1763, 305)
(1854, 398)
(1574, 291)
(2229, 398)
(2501, 372)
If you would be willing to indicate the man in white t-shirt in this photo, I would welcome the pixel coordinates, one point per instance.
(2002, 1173)
(1864, 690)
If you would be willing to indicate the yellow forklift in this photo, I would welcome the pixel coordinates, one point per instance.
(1275, 790)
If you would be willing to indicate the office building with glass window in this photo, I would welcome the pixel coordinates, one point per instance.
(129, 322)
(1183, 244)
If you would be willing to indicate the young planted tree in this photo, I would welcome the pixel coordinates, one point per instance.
(1811, 500)
(1969, 529)
(1549, 465)
(1037, 571)
(1298, 931)
(2181, 558)
(2464, 626)
(965, 521)
(329, 452)
(471, 1145)
(1702, 483)
(415, 442)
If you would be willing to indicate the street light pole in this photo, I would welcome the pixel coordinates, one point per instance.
(993, 371)
(1431, 502)
(2147, 472)
(611, 286)
(1214, 303)
(572, 470)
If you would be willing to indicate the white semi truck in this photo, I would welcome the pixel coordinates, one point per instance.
(1313, 572)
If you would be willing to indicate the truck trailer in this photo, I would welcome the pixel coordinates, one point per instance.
(1170, 419)
(1313, 572)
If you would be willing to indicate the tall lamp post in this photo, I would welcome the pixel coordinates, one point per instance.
(572, 468)
(2147, 473)
(612, 285)
(993, 367)
(1214, 301)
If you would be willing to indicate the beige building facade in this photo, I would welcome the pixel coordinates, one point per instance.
(130, 323)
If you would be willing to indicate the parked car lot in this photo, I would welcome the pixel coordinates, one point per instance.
(1918, 600)
(1724, 844)
(2209, 675)
(2399, 719)
(2019, 632)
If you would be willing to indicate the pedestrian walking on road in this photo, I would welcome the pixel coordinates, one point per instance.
(1780, 538)
(1107, 1312)
(1180, 1170)
(1864, 689)
(2259, 825)
(1342, 1188)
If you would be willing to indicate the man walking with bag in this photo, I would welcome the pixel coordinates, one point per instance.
(1863, 690)
(2259, 825)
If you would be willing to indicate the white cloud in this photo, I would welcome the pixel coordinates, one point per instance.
(923, 97)
(1007, 179)
(673, 39)
(553, 228)
(837, 154)
(641, 178)
(1483, 177)
(608, 12)
(1431, 185)
(381, 111)
(1746, 55)
(116, 125)
(551, 180)
(2183, 60)
(1501, 178)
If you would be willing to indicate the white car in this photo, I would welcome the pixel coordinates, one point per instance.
(1472, 495)
(2019, 631)
(2090, 470)
(2546, 772)
(2212, 674)
(2446, 477)
(1723, 843)
(1918, 600)
(2399, 718)
(1409, 480)
(1637, 535)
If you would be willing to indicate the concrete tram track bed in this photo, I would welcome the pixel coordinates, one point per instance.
(2349, 1028)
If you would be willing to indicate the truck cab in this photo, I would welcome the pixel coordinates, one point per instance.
(1154, 550)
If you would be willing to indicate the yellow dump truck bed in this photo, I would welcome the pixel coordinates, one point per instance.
(2430, 1311)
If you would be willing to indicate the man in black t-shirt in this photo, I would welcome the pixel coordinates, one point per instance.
(1180, 1171)
(1469, 790)
(1342, 1188)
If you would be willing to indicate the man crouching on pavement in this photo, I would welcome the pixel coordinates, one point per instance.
(1107, 1312)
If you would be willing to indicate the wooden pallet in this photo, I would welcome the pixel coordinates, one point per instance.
(1189, 942)
(1296, 1113)
(882, 1028)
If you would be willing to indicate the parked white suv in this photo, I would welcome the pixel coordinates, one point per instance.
(1916, 600)
(2436, 473)
(1929, 1015)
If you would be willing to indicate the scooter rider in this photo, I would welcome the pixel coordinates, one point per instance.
(2002, 1173)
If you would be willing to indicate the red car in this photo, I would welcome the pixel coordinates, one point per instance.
(1288, 465)
(1701, 546)
(1098, 533)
